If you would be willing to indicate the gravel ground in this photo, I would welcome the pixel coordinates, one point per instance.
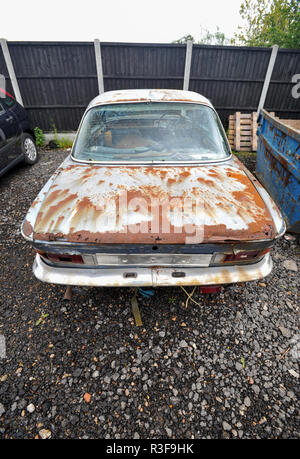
(82, 369)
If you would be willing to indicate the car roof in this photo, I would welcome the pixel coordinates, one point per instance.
(149, 95)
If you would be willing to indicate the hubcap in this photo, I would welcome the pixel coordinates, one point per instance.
(30, 149)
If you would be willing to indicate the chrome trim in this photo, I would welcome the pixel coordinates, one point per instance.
(141, 259)
(152, 163)
(161, 259)
(156, 276)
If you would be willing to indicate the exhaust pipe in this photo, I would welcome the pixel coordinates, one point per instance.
(68, 293)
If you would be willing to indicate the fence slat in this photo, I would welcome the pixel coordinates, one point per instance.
(237, 131)
(254, 130)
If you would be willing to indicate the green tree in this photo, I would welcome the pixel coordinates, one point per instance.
(206, 38)
(270, 22)
(184, 39)
(216, 38)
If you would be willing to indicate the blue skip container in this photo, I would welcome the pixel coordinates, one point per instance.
(278, 166)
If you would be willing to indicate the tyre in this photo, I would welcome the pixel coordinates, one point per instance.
(29, 149)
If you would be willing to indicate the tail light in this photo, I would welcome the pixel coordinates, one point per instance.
(210, 288)
(238, 256)
(61, 258)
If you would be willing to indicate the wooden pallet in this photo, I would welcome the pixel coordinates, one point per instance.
(242, 131)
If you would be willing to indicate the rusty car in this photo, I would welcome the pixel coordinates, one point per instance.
(151, 195)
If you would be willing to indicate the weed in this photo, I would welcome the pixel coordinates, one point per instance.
(39, 136)
(62, 142)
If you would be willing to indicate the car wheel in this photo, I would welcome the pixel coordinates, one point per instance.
(29, 149)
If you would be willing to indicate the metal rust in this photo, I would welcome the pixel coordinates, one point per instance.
(86, 204)
(68, 293)
(27, 228)
(148, 95)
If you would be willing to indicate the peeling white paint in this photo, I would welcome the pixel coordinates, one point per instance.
(154, 95)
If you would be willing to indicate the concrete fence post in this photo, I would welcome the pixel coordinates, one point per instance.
(267, 78)
(11, 71)
(187, 68)
(99, 65)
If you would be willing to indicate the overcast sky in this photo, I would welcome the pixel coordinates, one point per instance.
(152, 21)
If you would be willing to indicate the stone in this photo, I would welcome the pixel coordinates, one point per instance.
(226, 426)
(247, 402)
(30, 408)
(290, 265)
(87, 397)
(285, 332)
(2, 409)
(293, 373)
(169, 431)
(45, 433)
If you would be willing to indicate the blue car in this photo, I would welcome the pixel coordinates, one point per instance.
(17, 139)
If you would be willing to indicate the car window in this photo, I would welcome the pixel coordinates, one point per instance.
(151, 132)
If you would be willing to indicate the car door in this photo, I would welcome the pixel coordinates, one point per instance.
(9, 136)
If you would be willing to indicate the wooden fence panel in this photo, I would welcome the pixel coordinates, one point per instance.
(57, 80)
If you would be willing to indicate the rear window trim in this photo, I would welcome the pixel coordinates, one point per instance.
(147, 163)
(152, 163)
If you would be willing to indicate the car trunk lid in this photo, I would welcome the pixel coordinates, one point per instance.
(152, 205)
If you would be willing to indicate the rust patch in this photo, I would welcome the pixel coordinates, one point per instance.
(27, 228)
(274, 163)
(75, 209)
(56, 201)
(171, 181)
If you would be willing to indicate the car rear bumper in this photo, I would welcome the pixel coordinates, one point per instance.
(151, 276)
